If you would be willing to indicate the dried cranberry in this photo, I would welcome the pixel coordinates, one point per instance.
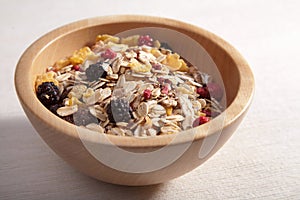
(145, 40)
(76, 67)
(200, 120)
(109, 54)
(165, 89)
(203, 120)
(203, 92)
(147, 94)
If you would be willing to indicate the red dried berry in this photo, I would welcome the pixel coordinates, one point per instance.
(203, 120)
(215, 90)
(200, 120)
(165, 89)
(109, 54)
(145, 40)
(147, 94)
(203, 92)
(76, 67)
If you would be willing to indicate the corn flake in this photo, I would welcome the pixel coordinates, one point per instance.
(80, 55)
(107, 38)
(136, 66)
(47, 77)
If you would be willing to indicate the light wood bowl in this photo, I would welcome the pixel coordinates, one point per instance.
(71, 143)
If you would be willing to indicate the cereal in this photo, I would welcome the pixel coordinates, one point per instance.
(132, 86)
(47, 77)
(80, 55)
(67, 110)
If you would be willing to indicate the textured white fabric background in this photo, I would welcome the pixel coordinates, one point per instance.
(260, 161)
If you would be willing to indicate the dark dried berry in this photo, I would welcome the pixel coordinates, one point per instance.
(83, 117)
(118, 110)
(145, 40)
(203, 92)
(48, 93)
(95, 71)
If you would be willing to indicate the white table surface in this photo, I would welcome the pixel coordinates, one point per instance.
(260, 161)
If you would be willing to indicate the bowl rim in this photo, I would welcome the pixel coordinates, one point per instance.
(30, 103)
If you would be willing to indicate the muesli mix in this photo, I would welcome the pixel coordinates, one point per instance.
(133, 86)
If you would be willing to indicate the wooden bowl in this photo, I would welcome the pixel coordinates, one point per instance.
(129, 160)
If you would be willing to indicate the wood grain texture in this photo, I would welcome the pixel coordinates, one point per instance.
(66, 139)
